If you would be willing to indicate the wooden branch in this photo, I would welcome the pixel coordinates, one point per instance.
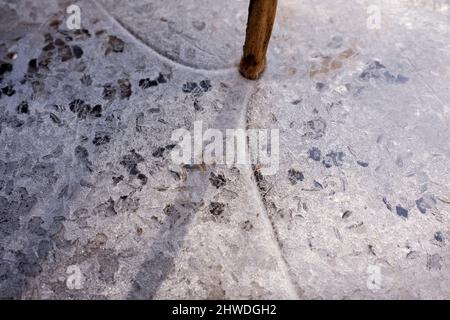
(261, 15)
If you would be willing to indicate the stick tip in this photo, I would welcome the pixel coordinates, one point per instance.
(251, 69)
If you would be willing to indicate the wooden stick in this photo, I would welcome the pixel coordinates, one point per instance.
(261, 15)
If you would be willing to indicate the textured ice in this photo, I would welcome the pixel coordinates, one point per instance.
(91, 205)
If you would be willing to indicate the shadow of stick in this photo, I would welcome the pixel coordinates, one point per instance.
(164, 250)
